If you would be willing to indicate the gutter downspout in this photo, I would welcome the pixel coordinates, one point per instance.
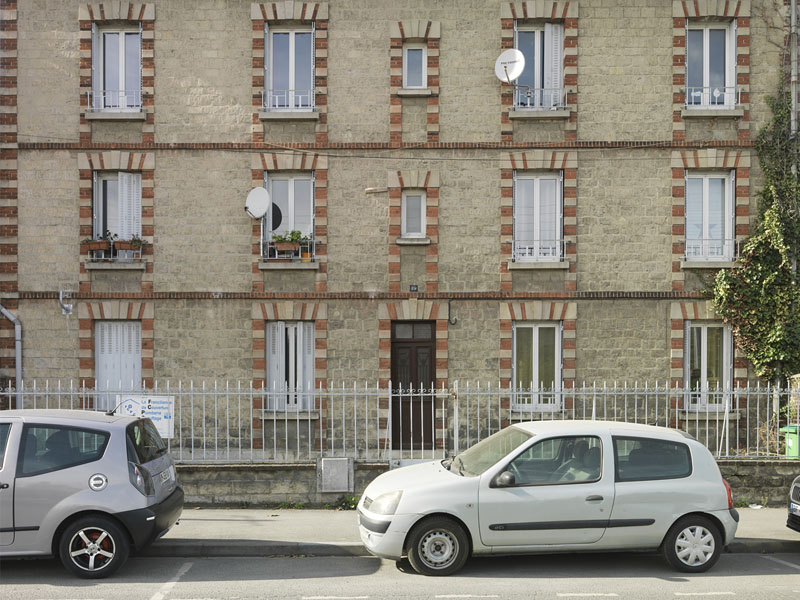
(17, 346)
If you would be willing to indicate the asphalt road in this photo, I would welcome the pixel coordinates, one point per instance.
(633, 576)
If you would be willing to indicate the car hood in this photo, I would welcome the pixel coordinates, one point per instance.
(423, 475)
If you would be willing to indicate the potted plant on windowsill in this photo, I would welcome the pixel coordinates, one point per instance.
(134, 243)
(97, 244)
(287, 242)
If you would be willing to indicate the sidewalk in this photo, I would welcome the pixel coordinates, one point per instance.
(260, 532)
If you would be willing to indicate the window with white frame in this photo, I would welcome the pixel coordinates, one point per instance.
(415, 65)
(709, 216)
(291, 214)
(116, 69)
(538, 230)
(117, 206)
(711, 65)
(413, 214)
(541, 84)
(289, 68)
(118, 360)
(537, 364)
(290, 364)
(708, 363)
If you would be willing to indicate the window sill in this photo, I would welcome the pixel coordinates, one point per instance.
(415, 92)
(115, 266)
(288, 115)
(280, 414)
(711, 113)
(114, 115)
(401, 241)
(709, 264)
(287, 265)
(538, 113)
(537, 265)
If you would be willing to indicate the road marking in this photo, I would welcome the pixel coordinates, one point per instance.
(465, 596)
(335, 597)
(705, 593)
(782, 562)
(167, 587)
(588, 595)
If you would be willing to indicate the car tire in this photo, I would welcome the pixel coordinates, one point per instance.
(437, 546)
(693, 544)
(93, 547)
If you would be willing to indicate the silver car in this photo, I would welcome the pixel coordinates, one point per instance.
(793, 522)
(84, 486)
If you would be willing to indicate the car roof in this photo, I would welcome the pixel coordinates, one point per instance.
(43, 414)
(613, 427)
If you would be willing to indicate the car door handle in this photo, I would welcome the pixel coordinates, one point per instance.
(3, 486)
(594, 498)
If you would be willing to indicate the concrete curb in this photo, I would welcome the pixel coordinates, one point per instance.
(167, 548)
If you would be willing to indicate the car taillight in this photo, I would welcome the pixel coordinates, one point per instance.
(141, 479)
(730, 493)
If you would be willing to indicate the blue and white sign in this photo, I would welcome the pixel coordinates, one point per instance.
(159, 409)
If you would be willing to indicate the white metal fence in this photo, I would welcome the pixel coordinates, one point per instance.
(225, 422)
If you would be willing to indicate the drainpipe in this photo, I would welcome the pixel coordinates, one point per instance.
(17, 346)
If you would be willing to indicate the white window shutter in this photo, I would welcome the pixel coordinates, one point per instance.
(306, 357)
(103, 356)
(276, 368)
(97, 207)
(553, 61)
(130, 204)
(97, 83)
(312, 97)
(731, 216)
(730, 64)
(130, 354)
(267, 81)
(560, 220)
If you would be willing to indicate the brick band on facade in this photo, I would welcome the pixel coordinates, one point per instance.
(115, 11)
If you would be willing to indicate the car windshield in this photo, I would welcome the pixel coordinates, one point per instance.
(475, 460)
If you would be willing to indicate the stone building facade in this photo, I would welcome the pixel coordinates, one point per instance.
(431, 185)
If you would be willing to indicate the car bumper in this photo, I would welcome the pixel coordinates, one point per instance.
(730, 521)
(793, 522)
(146, 525)
(385, 536)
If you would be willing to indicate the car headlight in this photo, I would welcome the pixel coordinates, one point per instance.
(386, 504)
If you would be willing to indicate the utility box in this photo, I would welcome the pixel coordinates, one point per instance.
(791, 435)
(335, 475)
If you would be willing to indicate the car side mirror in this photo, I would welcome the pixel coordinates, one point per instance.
(505, 479)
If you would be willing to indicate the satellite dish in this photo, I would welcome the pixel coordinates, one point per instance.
(509, 65)
(257, 202)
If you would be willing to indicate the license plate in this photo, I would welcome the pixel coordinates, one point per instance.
(794, 508)
(165, 475)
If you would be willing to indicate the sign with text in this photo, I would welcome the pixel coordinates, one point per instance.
(159, 409)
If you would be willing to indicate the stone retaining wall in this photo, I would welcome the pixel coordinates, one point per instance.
(754, 481)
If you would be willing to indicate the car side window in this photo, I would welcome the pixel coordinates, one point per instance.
(47, 448)
(639, 459)
(5, 429)
(574, 459)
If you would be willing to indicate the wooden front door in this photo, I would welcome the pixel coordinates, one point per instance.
(413, 381)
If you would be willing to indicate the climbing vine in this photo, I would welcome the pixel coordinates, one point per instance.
(761, 299)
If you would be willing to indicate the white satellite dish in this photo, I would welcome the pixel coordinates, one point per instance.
(509, 65)
(257, 202)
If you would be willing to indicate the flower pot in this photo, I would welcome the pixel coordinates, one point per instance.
(286, 246)
(95, 245)
(305, 256)
(127, 245)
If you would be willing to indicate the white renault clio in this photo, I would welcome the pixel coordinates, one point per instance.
(555, 486)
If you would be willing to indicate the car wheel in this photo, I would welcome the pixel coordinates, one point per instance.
(437, 546)
(93, 547)
(693, 545)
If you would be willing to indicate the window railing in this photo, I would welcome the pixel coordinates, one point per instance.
(713, 97)
(302, 251)
(712, 249)
(540, 98)
(119, 251)
(538, 250)
(278, 100)
(99, 100)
